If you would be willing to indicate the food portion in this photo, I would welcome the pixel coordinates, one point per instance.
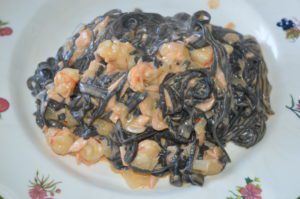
(156, 96)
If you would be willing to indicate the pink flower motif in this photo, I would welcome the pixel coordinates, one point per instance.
(4, 29)
(251, 191)
(58, 191)
(298, 105)
(37, 192)
(4, 105)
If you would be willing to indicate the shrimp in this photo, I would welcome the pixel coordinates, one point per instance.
(77, 53)
(203, 57)
(228, 48)
(60, 140)
(111, 68)
(103, 127)
(91, 71)
(158, 122)
(111, 104)
(135, 80)
(230, 26)
(200, 130)
(117, 54)
(152, 88)
(231, 38)
(120, 112)
(174, 52)
(137, 180)
(84, 39)
(140, 74)
(91, 152)
(165, 70)
(81, 43)
(52, 94)
(220, 79)
(137, 124)
(153, 91)
(100, 27)
(147, 106)
(147, 155)
(77, 145)
(65, 81)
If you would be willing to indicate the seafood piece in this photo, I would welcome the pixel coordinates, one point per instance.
(84, 39)
(137, 124)
(91, 71)
(91, 152)
(203, 57)
(100, 27)
(78, 145)
(140, 74)
(147, 155)
(104, 127)
(117, 54)
(60, 140)
(147, 106)
(210, 165)
(200, 130)
(158, 122)
(174, 52)
(65, 81)
(137, 180)
(119, 112)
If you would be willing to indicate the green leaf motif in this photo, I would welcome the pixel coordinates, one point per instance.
(293, 107)
(2, 23)
(1, 197)
(292, 101)
(48, 185)
(296, 198)
(248, 180)
(238, 195)
(256, 179)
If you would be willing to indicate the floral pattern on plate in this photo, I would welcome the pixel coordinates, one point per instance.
(291, 27)
(294, 107)
(251, 190)
(43, 187)
(5, 30)
(4, 106)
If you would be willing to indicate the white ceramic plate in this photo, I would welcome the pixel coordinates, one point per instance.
(35, 31)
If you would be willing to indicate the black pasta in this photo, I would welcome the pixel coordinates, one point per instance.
(202, 106)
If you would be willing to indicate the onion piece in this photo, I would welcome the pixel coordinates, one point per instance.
(207, 167)
(136, 180)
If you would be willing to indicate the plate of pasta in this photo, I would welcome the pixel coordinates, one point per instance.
(149, 99)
